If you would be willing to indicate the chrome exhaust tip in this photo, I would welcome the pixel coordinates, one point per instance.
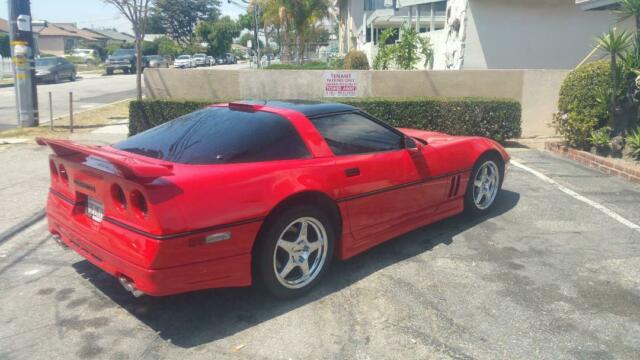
(130, 286)
(59, 241)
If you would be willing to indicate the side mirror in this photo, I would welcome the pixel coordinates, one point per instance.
(411, 144)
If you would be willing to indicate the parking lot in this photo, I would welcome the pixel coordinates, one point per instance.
(553, 272)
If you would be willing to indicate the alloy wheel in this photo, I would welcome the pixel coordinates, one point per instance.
(486, 184)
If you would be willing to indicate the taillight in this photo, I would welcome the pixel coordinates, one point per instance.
(54, 170)
(119, 199)
(138, 203)
(63, 174)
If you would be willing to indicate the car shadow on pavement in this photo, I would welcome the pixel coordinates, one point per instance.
(196, 318)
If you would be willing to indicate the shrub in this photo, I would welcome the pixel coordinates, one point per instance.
(583, 103)
(498, 119)
(356, 60)
(5, 49)
(600, 138)
(314, 65)
(633, 142)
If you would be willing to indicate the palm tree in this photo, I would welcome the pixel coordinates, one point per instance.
(615, 43)
(629, 8)
(306, 13)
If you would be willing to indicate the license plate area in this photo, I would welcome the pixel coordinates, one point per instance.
(94, 210)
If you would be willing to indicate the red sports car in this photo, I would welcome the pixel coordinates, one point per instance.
(266, 192)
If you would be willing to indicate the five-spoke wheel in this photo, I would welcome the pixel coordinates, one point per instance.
(294, 250)
(484, 185)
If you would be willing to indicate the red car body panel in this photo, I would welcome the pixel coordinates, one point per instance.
(166, 249)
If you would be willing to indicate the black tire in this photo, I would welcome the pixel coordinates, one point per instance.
(265, 250)
(73, 76)
(109, 71)
(125, 70)
(470, 206)
(56, 78)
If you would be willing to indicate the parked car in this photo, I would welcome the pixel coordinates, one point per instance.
(122, 59)
(200, 59)
(184, 62)
(230, 58)
(221, 60)
(155, 61)
(54, 69)
(211, 61)
(184, 206)
(88, 56)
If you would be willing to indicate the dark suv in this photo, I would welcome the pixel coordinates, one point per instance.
(122, 59)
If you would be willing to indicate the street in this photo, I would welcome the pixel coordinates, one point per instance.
(545, 275)
(90, 90)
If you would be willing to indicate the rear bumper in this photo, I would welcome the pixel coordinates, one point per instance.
(229, 271)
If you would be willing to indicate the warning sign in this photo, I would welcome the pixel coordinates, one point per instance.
(340, 84)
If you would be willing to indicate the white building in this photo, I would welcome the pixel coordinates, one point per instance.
(489, 34)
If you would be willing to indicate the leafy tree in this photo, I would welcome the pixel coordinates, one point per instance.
(154, 24)
(305, 13)
(167, 47)
(386, 52)
(407, 49)
(245, 37)
(181, 17)
(426, 49)
(5, 50)
(149, 48)
(615, 43)
(219, 34)
(136, 11)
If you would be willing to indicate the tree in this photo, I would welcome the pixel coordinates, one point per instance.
(167, 47)
(426, 49)
(385, 51)
(181, 17)
(136, 11)
(219, 34)
(305, 13)
(407, 49)
(154, 24)
(245, 37)
(615, 43)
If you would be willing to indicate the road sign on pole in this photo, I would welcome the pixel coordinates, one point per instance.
(23, 57)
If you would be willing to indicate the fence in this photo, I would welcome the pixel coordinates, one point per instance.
(6, 69)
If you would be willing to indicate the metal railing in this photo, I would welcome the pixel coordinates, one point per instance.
(6, 68)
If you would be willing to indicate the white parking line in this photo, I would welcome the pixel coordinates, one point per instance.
(614, 215)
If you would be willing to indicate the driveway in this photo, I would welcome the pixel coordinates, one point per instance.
(89, 91)
(553, 272)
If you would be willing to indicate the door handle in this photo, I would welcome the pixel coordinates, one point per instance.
(352, 172)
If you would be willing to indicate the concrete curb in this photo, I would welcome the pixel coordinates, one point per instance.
(23, 225)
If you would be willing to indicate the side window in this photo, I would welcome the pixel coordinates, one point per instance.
(348, 134)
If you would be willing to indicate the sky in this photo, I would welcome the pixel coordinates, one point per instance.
(88, 13)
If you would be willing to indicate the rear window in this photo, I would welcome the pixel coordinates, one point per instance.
(219, 135)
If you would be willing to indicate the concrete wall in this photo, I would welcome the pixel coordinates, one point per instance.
(537, 90)
(524, 34)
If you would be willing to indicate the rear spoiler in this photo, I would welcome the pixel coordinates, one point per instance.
(108, 161)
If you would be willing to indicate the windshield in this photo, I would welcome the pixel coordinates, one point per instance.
(199, 55)
(184, 57)
(123, 52)
(219, 136)
(46, 61)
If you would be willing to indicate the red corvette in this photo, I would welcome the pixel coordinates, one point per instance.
(264, 192)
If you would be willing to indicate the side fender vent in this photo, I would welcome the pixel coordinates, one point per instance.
(454, 187)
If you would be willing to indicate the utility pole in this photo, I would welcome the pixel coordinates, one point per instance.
(23, 55)
(255, 35)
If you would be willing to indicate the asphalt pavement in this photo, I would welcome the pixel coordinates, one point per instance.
(89, 91)
(549, 274)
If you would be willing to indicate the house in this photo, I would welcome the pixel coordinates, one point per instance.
(60, 38)
(112, 35)
(362, 21)
(4, 26)
(491, 34)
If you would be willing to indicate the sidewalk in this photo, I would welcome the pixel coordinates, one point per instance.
(25, 181)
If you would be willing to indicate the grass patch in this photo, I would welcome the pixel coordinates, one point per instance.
(85, 121)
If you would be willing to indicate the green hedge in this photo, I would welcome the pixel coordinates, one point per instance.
(498, 119)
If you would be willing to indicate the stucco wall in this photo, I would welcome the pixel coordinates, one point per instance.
(523, 34)
(537, 90)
